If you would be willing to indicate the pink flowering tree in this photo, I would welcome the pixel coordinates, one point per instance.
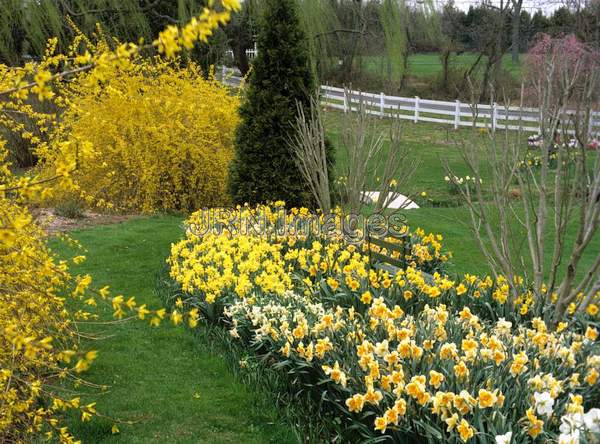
(532, 236)
(559, 74)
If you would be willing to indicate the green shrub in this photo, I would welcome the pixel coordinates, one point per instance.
(264, 168)
(71, 209)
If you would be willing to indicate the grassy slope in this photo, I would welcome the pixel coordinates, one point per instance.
(429, 65)
(155, 373)
(433, 146)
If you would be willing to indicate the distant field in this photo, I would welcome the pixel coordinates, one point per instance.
(428, 65)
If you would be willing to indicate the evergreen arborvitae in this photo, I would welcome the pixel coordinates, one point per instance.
(264, 168)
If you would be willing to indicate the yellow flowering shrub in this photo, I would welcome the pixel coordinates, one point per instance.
(154, 136)
(37, 336)
(39, 341)
(41, 359)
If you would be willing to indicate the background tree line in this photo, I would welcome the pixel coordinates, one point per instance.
(26, 25)
(365, 43)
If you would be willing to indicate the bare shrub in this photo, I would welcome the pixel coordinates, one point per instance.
(563, 78)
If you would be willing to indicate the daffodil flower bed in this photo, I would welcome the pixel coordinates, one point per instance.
(218, 264)
(402, 356)
(440, 373)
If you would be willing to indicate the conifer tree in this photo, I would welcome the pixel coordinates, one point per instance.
(264, 168)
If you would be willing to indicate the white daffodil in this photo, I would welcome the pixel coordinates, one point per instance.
(543, 403)
(503, 326)
(504, 439)
(570, 422)
(570, 438)
(592, 420)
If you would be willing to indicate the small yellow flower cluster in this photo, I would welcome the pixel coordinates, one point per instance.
(417, 249)
(173, 39)
(533, 160)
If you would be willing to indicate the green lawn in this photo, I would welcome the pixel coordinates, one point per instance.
(429, 65)
(430, 144)
(174, 387)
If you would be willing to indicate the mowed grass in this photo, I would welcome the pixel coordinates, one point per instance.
(429, 65)
(174, 388)
(437, 147)
(434, 147)
(453, 225)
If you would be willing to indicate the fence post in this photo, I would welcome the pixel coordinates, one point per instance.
(223, 73)
(521, 117)
(381, 104)
(345, 101)
(457, 115)
(591, 125)
(416, 109)
(494, 116)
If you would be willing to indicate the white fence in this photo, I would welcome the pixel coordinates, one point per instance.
(250, 53)
(455, 113)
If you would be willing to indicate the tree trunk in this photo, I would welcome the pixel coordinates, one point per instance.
(516, 28)
(486, 79)
(349, 52)
(240, 59)
(445, 59)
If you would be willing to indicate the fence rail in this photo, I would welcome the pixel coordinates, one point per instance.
(250, 53)
(457, 113)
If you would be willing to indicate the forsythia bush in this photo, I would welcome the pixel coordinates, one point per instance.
(41, 360)
(397, 356)
(37, 334)
(39, 340)
(154, 136)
